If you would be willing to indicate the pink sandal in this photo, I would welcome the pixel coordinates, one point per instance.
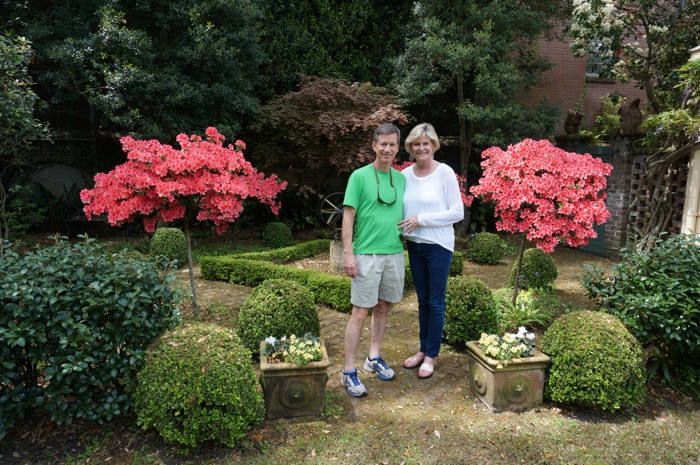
(413, 362)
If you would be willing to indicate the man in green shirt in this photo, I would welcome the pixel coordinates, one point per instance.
(373, 253)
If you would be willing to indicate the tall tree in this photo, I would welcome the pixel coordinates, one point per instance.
(352, 40)
(149, 68)
(19, 128)
(472, 59)
(639, 40)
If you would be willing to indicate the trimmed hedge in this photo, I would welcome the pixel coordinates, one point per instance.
(251, 269)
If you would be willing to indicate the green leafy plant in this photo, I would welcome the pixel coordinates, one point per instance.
(277, 306)
(198, 385)
(487, 248)
(170, 243)
(297, 350)
(508, 346)
(608, 124)
(595, 362)
(673, 128)
(655, 293)
(538, 270)
(74, 329)
(532, 308)
(276, 235)
(469, 310)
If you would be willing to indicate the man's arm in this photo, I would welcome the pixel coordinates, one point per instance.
(349, 263)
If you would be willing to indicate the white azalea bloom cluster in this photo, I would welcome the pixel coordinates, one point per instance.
(509, 345)
(297, 350)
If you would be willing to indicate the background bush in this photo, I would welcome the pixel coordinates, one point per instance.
(198, 384)
(469, 310)
(278, 307)
(595, 362)
(538, 270)
(74, 328)
(532, 308)
(487, 248)
(276, 235)
(170, 243)
(656, 295)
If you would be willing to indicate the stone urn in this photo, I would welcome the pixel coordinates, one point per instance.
(517, 385)
(292, 390)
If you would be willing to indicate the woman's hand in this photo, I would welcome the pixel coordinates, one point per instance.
(409, 224)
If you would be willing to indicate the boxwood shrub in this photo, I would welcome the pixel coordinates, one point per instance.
(469, 310)
(487, 248)
(595, 362)
(278, 307)
(171, 244)
(198, 384)
(74, 328)
(276, 235)
(537, 272)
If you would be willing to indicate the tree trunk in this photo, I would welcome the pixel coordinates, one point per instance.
(516, 279)
(195, 309)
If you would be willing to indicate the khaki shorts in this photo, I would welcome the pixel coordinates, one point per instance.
(379, 277)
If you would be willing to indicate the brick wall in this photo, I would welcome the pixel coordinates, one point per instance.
(564, 85)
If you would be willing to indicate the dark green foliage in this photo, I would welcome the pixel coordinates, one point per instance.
(171, 244)
(595, 362)
(538, 271)
(74, 328)
(656, 295)
(532, 308)
(198, 384)
(155, 69)
(277, 307)
(469, 310)
(277, 235)
(288, 254)
(486, 248)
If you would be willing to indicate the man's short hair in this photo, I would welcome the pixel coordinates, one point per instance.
(386, 128)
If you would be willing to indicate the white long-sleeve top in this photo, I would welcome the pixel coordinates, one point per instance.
(437, 202)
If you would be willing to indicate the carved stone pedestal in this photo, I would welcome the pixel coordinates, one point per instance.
(293, 390)
(517, 385)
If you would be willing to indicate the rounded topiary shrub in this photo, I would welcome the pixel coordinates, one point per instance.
(469, 310)
(276, 235)
(277, 307)
(487, 248)
(595, 362)
(171, 244)
(198, 384)
(538, 271)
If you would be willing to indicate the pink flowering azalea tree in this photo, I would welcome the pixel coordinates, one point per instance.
(202, 180)
(544, 193)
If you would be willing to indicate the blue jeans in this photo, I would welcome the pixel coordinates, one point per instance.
(430, 267)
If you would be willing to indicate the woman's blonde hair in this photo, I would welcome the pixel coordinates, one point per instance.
(419, 131)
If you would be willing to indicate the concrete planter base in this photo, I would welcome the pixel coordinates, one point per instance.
(292, 390)
(517, 386)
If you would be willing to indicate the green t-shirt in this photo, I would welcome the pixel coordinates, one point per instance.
(376, 230)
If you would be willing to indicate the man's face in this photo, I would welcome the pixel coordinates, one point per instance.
(386, 147)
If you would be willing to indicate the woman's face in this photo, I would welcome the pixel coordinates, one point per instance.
(422, 149)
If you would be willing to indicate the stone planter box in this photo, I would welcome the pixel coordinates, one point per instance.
(291, 390)
(518, 385)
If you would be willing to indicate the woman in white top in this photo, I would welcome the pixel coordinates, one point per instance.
(432, 204)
